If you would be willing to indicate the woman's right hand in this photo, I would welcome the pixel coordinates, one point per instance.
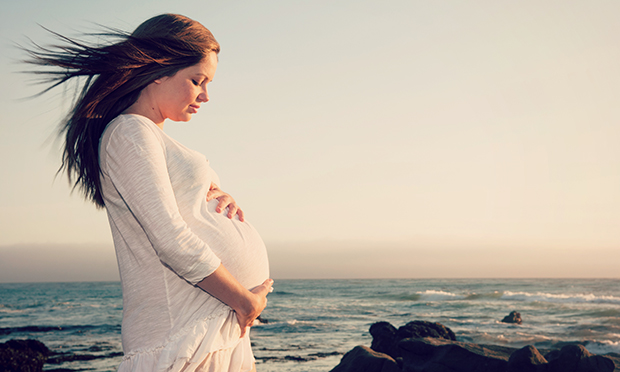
(255, 307)
(247, 304)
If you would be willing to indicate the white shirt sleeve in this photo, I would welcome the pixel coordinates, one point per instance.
(135, 162)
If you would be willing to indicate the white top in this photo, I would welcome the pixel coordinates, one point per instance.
(167, 239)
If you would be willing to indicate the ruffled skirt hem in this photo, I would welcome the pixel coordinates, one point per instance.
(209, 345)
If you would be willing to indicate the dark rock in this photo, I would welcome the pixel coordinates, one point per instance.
(615, 357)
(441, 355)
(364, 359)
(514, 318)
(552, 355)
(383, 337)
(297, 358)
(527, 359)
(421, 329)
(421, 346)
(22, 356)
(575, 358)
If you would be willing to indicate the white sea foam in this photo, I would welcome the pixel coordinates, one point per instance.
(603, 347)
(7, 310)
(431, 295)
(560, 298)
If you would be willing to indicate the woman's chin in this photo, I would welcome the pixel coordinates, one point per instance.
(186, 117)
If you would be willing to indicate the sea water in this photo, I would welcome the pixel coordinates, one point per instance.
(311, 323)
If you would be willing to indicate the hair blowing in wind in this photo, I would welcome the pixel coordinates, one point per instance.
(112, 77)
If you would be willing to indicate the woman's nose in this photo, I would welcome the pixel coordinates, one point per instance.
(203, 96)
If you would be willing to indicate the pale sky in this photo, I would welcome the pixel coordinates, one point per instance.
(362, 138)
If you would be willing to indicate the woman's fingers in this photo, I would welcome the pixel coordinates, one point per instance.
(232, 210)
(214, 194)
(225, 201)
(246, 321)
(263, 289)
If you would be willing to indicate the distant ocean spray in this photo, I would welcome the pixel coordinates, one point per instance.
(311, 323)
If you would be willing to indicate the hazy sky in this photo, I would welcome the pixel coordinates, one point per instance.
(362, 138)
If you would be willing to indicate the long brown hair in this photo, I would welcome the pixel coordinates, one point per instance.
(114, 74)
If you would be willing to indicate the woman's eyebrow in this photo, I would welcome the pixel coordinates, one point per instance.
(203, 75)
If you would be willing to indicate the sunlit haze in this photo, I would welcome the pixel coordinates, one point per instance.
(376, 139)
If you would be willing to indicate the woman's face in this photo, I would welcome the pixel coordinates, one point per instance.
(179, 96)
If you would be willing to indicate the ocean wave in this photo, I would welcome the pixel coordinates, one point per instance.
(68, 328)
(604, 313)
(484, 296)
(439, 295)
(284, 293)
(59, 358)
(297, 358)
(294, 326)
(432, 295)
(603, 347)
(8, 310)
(402, 297)
(560, 298)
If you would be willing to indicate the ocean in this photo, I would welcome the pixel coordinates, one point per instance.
(311, 323)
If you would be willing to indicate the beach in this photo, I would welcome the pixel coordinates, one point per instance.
(310, 324)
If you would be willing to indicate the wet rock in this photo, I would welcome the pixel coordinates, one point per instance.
(514, 318)
(527, 359)
(22, 356)
(383, 337)
(439, 355)
(422, 346)
(575, 358)
(364, 359)
(421, 329)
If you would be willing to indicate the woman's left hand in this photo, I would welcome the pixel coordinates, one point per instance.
(225, 201)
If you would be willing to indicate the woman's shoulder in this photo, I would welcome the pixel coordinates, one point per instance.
(132, 123)
(131, 126)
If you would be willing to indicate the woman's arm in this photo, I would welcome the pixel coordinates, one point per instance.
(247, 304)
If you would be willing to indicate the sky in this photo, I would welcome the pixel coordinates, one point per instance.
(363, 139)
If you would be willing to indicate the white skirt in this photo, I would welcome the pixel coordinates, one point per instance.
(209, 345)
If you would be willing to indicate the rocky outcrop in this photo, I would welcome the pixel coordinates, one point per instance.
(22, 356)
(577, 358)
(513, 318)
(438, 355)
(385, 337)
(421, 329)
(410, 349)
(527, 359)
(364, 359)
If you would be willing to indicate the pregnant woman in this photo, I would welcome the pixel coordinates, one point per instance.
(194, 273)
